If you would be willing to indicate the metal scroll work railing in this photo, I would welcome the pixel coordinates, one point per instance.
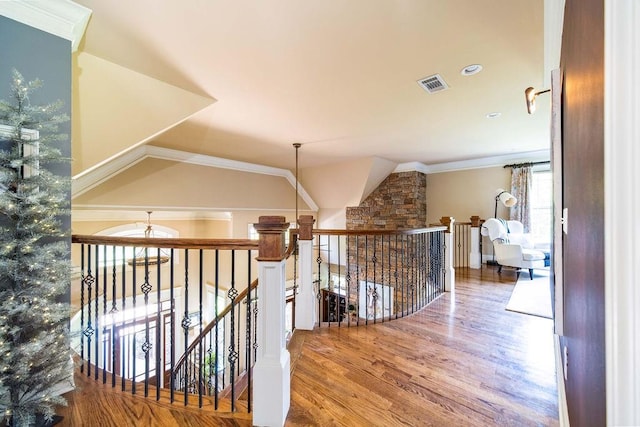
(176, 315)
(372, 276)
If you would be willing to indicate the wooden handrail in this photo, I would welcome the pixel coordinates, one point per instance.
(336, 232)
(214, 322)
(293, 242)
(177, 243)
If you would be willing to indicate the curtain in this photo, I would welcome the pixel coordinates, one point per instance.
(521, 182)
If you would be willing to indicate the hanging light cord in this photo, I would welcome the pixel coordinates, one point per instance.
(297, 145)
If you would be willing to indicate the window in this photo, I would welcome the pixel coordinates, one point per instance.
(129, 230)
(541, 206)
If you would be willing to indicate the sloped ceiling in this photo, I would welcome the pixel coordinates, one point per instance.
(116, 109)
(337, 76)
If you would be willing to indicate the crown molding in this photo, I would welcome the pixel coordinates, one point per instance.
(484, 162)
(84, 182)
(62, 18)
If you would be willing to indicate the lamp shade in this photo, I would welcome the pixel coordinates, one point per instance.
(505, 198)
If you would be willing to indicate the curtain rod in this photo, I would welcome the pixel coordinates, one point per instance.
(521, 165)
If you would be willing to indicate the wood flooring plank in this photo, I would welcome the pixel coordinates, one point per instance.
(462, 361)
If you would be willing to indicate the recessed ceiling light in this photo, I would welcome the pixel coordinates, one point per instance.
(470, 70)
(493, 115)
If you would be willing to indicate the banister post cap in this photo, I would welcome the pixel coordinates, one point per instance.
(448, 222)
(272, 243)
(306, 226)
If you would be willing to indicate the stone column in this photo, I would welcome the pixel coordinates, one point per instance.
(475, 257)
(306, 301)
(271, 378)
(450, 272)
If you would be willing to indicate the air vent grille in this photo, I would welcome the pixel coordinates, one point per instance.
(434, 83)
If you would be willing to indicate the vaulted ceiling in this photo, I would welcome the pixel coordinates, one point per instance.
(244, 80)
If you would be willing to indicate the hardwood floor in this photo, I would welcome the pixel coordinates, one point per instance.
(462, 361)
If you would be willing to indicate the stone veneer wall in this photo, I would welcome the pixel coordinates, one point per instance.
(399, 203)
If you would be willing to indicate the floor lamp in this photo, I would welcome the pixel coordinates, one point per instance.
(507, 200)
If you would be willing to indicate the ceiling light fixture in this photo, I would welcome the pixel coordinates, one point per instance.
(470, 70)
(494, 115)
(530, 95)
(142, 258)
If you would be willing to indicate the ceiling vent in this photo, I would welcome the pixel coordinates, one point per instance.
(433, 84)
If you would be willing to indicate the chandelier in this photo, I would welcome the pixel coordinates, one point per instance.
(142, 256)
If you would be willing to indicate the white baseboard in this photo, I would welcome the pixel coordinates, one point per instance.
(563, 411)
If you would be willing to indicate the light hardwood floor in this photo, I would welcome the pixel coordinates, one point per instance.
(462, 361)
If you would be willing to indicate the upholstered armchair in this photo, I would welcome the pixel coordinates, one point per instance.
(512, 247)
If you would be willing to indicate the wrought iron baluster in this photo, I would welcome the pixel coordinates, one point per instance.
(131, 367)
(395, 275)
(249, 325)
(374, 294)
(160, 346)
(200, 349)
(233, 355)
(347, 280)
(172, 341)
(87, 332)
(318, 283)
(104, 316)
(357, 246)
(113, 312)
(217, 329)
(96, 315)
(123, 355)
(186, 323)
(146, 345)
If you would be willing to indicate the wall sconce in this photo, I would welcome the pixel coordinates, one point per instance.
(530, 95)
(505, 198)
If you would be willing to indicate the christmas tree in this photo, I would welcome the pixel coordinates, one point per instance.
(34, 257)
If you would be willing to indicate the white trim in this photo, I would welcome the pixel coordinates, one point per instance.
(553, 23)
(622, 209)
(89, 179)
(27, 134)
(484, 162)
(62, 18)
(85, 181)
(412, 167)
(563, 410)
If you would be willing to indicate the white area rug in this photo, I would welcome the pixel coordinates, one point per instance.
(532, 296)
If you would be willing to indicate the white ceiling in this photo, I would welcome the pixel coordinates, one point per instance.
(338, 76)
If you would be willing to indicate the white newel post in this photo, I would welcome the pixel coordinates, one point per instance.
(305, 299)
(475, 257)
(271, 373)
(450, 272)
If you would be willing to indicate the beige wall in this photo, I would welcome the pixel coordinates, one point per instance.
(462, 194)
(338, 186)
(204, 229)
(164, 184)
(115, 108)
